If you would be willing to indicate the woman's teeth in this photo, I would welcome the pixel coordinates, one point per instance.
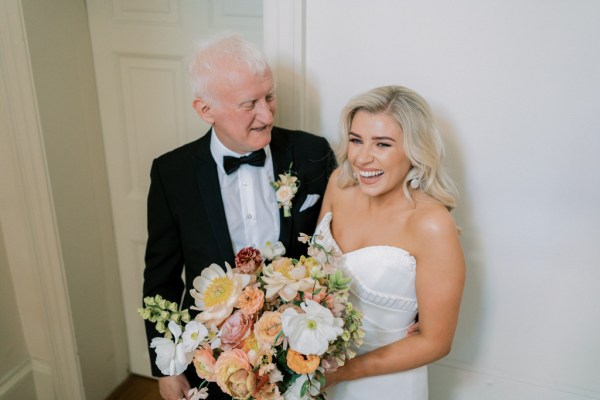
(370, 174)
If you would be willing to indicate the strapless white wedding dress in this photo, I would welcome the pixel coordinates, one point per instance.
(383, 289)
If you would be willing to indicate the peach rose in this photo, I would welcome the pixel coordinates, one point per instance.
(235, 329)
(251, 300)
(268, 392)
(204, 361)
(268, 327)
(248, 260)
(302, 364)
(234, 374)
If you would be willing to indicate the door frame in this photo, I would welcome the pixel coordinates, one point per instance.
(33, 245)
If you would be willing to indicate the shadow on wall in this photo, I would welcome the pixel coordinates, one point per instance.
(468, 338)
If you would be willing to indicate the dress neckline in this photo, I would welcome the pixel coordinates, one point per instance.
(326, 223)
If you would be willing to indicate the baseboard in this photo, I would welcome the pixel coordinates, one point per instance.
(18, 383)
(451, 380)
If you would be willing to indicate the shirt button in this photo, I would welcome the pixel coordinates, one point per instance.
(249, 216)
(244, 183)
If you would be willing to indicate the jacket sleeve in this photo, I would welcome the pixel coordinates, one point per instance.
(164, 256)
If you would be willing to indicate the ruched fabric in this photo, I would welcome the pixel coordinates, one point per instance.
(383, 289)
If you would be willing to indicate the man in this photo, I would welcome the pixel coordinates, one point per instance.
(204, 204)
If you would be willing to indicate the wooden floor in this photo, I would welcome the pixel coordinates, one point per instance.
(138, 388)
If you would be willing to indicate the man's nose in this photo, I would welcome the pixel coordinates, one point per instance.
(265, 111)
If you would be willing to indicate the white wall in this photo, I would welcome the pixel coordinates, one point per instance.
(516, 89)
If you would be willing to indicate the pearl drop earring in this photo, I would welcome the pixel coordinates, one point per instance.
(415, 183)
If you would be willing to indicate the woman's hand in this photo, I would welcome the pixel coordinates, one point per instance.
(337, 376)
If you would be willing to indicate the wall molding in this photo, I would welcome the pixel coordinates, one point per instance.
(284, 45)
(34, 253)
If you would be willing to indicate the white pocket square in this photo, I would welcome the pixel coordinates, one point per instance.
(310, 201)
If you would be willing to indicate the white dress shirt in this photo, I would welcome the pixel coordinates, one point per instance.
(249, 199)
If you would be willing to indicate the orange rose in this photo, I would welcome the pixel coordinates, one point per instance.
(205, 363)
(251, 300)
(302, 364)
(234, 374)
(268, 327)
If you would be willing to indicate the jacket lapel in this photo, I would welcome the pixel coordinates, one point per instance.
(210, 191)
(281, 150)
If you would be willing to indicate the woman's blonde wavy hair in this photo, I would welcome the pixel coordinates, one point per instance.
(422, 142)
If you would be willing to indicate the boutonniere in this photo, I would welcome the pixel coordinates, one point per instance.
(286, 188)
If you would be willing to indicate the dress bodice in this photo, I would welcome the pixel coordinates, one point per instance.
(382, 287)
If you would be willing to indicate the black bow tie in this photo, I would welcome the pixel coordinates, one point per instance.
(256, 159)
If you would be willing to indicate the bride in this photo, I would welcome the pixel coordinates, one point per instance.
(387, 210)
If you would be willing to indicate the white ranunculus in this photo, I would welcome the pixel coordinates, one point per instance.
(311, 332)
(272, 250)
(171, 358)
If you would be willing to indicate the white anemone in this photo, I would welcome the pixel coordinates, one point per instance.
(311, 332)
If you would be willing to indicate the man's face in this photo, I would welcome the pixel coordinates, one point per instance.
(243, 109)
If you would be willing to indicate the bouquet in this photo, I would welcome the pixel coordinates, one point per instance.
(270, 328)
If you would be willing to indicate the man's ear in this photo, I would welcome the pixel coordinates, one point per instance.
(204, 110)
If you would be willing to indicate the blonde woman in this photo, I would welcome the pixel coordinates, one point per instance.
(387, 210)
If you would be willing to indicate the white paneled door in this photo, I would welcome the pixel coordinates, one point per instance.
(140, 56)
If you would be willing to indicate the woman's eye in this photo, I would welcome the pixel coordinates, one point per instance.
(384, 145)
(354, 140)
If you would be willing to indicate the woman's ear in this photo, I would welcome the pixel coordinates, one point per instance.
(204, 110)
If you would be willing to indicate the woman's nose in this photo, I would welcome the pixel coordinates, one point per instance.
(365, 155)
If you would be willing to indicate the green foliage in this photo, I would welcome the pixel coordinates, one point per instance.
(160, 311)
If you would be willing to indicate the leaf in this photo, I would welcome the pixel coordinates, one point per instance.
(305, 386)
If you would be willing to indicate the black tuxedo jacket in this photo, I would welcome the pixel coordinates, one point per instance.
(186, 218)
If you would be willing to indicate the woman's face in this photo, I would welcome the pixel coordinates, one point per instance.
(376, 153)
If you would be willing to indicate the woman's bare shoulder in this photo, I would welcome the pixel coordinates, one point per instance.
(431, 218)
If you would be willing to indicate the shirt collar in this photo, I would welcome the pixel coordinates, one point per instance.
(219, 150)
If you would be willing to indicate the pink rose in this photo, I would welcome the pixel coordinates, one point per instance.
(235, 329)
(248, 260)
(234, 374)
(204, 361)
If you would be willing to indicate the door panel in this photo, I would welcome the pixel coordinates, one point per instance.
(140, 56)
